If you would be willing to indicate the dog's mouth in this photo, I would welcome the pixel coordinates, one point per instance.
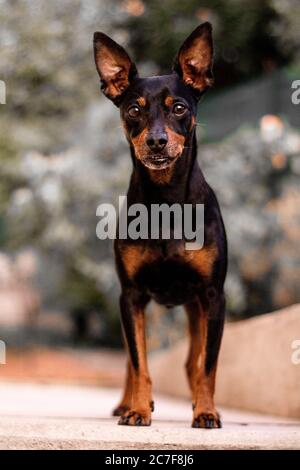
(157, 161)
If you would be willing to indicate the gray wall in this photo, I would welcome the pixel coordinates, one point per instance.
(222, 113)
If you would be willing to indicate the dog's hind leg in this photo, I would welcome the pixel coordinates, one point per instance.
(133, 322)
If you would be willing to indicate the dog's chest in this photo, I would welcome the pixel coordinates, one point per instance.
(168, 259)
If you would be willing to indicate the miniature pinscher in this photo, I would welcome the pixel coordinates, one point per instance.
(159, 118)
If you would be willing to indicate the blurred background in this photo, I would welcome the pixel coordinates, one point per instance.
(62, 153)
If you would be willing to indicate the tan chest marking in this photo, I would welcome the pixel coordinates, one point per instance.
(202, 260)
(134, 257)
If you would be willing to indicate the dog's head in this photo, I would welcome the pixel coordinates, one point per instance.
(158, 113)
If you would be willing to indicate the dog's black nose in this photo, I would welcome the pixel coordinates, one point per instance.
(157, 142)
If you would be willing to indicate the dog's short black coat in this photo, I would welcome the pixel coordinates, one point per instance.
(159, 119)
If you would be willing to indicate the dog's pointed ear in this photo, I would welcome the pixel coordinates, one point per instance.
(114, 66)
(195, 57)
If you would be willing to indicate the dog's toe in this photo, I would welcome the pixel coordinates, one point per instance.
(134, 418)
(207, 421)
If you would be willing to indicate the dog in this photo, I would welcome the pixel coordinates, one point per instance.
(159, 119)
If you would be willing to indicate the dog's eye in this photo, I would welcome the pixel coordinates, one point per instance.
(133, 111)
(179, 109)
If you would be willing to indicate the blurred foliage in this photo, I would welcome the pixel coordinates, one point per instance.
(47, 64)
(251, 36)
(62, 151)
(259, 195)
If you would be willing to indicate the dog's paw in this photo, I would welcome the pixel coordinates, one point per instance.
(135, 418)
(207, 421)
(120, 410)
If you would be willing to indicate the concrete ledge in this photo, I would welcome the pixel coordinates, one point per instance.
(47, 433)
(255, 370)
(35, 416)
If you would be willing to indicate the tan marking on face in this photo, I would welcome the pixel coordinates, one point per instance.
(202, 260)
(139, 143)
(134, 256)
(174, 149)
(175, 143)
(169, 101)
(141, 101)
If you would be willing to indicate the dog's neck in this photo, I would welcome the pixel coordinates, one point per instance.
(170, 185)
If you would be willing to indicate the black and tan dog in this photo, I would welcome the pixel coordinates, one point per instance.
(159, 118)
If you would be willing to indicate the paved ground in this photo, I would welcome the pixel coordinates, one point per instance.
(69, 417)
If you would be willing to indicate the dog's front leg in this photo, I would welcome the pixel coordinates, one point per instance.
(133, 321)
(125, 403)
(211, 322)
(195, 317)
